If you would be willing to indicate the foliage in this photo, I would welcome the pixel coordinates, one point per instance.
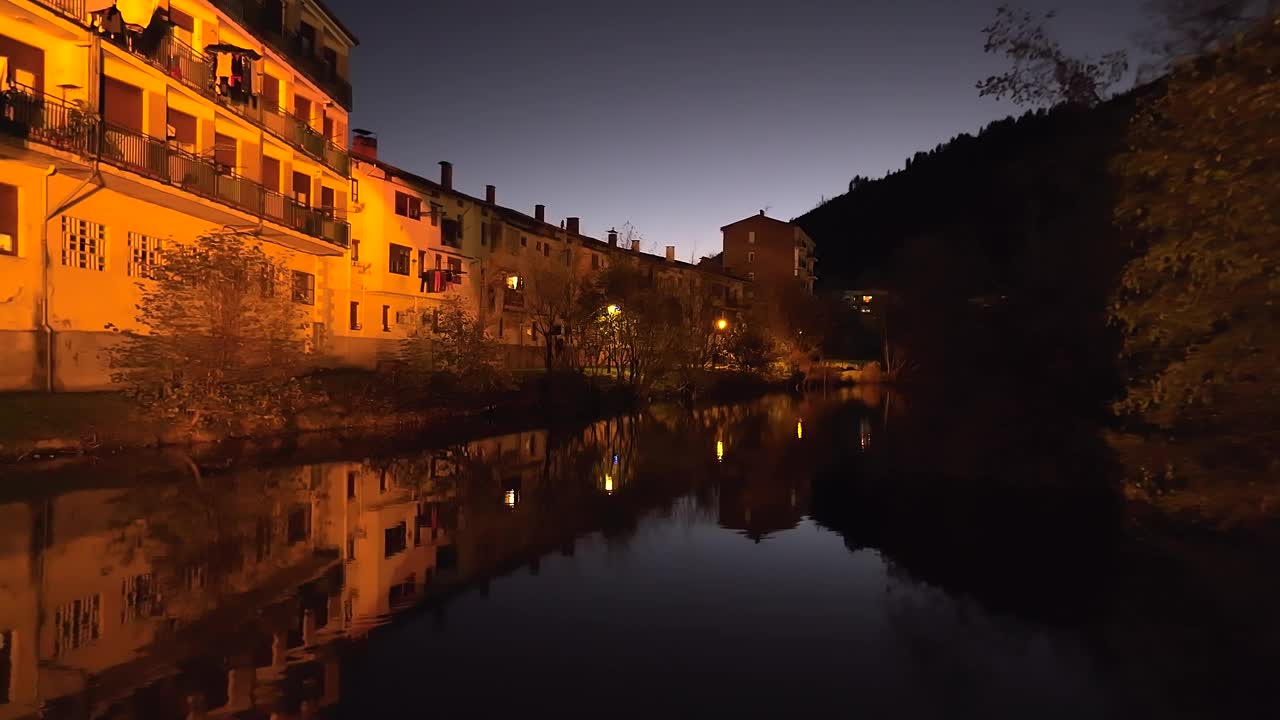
(751, 348)
(1203, 187)
(451, 342)
(1186, 29)
(550, 289)
(222, 338)
(1043, 73)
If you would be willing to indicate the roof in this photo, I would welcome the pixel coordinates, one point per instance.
(756, 218)
(334, 18)
(535, 225)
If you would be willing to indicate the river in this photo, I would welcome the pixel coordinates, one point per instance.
(844, 555)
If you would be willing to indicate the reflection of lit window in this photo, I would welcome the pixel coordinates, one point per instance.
(866, 298)
(510, 499)
(608, 484)
(719, 450)
(800, 429)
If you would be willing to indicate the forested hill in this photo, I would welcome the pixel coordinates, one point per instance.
(991, 199)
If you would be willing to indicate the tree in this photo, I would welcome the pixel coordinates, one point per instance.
(1186, 29)
(1043, 73)
(451, 342)
(1202, 186)
(222, 337)
(549, 291)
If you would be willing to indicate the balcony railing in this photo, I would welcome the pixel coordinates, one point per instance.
(74, 9)
(50, 122)
(269, 28)
(191, 68)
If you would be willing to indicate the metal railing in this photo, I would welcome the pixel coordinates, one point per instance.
(253, 15)
(191, 68)
(74, 9)
(48, 121)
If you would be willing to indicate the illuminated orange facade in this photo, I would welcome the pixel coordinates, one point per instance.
(128, 126)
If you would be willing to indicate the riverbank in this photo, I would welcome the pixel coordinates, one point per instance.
(350, 411)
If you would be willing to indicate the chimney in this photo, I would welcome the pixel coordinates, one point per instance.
(762, 213)
(364, 145)
(446, 174)
(671, 253)
(572, 224)
(540, 213)
(491, 194)
(613, 237)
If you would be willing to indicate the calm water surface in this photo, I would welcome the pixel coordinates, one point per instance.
(791, 556)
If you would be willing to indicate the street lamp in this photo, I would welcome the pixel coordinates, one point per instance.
(722, 324)
(613, 310)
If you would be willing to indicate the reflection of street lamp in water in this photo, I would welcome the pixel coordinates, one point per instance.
(510, 498)
(719, 450)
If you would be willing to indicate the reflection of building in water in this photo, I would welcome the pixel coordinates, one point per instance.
(110, 590)
(399, 520)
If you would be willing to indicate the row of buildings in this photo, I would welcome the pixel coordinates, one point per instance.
(129, 125)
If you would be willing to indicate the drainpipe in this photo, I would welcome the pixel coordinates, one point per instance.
(45, 327)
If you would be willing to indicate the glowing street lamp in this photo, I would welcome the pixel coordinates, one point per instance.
(613, 310)
(722, 324)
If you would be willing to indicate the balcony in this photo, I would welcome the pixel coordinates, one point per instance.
(73, 9)
(50, 122)
(191, 68)
(269, 28)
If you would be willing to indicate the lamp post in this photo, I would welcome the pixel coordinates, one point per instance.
(721, 326)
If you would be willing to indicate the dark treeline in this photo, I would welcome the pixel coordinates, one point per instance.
(998, 250)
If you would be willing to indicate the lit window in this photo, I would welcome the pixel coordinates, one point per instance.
(304, 288)
(398, 262)
(77, 624)
(8, 219)
(513, 282)
(751, 237)
(510, 498)
(84, 244)
(751, 257)
(144, 255)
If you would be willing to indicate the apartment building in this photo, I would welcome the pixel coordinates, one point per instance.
(126, 127)
(769, 252)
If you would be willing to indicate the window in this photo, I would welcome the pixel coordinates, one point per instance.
(351, 484)
(84, 244)
(6, 665)
(595, 261)
(77, 624)
(408, 206)
(438, 261)
(484, 233)
(355, 251)
(8, 220)
(386, 318)
(299, 524)
(395, 539)
(513, 282)
(436, 212)
(524, 241)
(135, 598)
(751, 257)
(224, 152)
(351, 549)
(355, 315)
(455, 267)
(751, 276)
(304, 288)
(751, 237)
(271, 173)
(328, 199)
(451, 233)
(144, 255)
(399, 261)
(355, 190)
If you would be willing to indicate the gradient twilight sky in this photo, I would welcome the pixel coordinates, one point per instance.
(680, 116)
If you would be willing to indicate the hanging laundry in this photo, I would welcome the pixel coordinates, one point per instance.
(137, 12)
(222, 67)
(4, 73)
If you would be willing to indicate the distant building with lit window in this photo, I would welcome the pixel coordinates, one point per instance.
(769, 252)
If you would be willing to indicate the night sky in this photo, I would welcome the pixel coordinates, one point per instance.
(681, 116)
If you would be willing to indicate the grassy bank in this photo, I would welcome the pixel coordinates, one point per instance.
(345, 409)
